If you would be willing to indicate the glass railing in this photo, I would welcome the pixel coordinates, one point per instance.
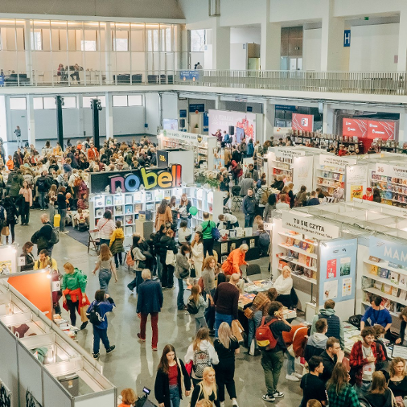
(383, 83)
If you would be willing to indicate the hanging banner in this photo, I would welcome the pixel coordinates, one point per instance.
(354, 127)
(302, 172)
(356, 181)
(393, 252)
(393, 171)
(312, 227)
(304, 122)
(281, 152)
(384, 129)
(337, 270)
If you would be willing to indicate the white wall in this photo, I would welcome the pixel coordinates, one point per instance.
(373, 48)
(311, 54)
(128, 120)
(238, 56)
(245, 34)
(152, 112)
(170, 106)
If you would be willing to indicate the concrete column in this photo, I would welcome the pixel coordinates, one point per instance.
(402, 46)
(328, 119)
(109, 115)
(108, 53)
(403, 127)
(270, 46)
(269, 110)
(27, 47)
(221, 47)
(30, 120)
(333, 53)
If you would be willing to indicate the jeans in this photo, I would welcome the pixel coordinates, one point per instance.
(290, 364)
(41, 199)
(272, 362)
(62, 212)
(25, 215)
(208, 247)
(159, 267)
(154, 327)
(104, 278)
(174, 395)
(136, 282)
(102, 241)
(200, 323)
(73, 307)
(118, 259)
(167, 277)
(51, 209)
(100, 334)
(254, 323)
(219, 318)
(225, 372)
(180, 297)
(248, 220)
(19, 142)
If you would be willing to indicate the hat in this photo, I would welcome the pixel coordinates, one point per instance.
(368, 189)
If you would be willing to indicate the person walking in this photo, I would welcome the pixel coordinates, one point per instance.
(207, 225)
(163, 216)
(272, 359)
(116, 244)
(43, 185)
(171, 379)
(106, 227)
(168, 251)
(139, 263)
(209, 286)
(206, 389)
(182, 272)
(198, 302)
(100, 306)
(183, 209)
(202, 354)
(226, 346)
(249, 208)
(297, 337)
(226, 300)
(17, 132)
(26, 192)
(106, 267)
(149, 302)
(197, 255)
(52, 198)
(62, 208)
(46, 237)
(12, 215)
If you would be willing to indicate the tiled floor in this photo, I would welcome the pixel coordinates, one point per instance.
(134, 364)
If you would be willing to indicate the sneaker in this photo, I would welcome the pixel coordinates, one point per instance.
(268, 397)
(222, 404)
(154, 349)
(131, 290)
(292, 378)
(96, 355)
(278, 394)
(234, 403)
(140, 338)
(84, 324)
(111, 349)
(297, 375)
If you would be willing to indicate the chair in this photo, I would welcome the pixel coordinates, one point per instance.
(94, 240)
(253, 269)
(237, 200)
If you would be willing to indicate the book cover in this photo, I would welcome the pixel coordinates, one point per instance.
(98, 213)
(373, 270)
(296, 243)
(109, 201)
(394, 291)
(128, 199)
(310, 248)
(303, 246)
(118, 200)
(118, 210)
(138, 208)
(302, 258)
(129, 219)
(394, 277)
(378, 285)
(290, 241)
(387, 288)
(394, 265)
(403, 281)
(383, 273)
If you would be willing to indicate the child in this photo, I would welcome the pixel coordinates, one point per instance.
(184, 234)
(106, 266)
(116, 244)
(201, 304)
(100, 307)
(10, 163)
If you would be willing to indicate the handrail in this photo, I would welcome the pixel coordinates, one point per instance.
(381, 83)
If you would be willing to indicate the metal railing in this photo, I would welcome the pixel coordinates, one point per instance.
(382, 83)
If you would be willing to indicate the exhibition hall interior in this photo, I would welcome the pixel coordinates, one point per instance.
(203, 203)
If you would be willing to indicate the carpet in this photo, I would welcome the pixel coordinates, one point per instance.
(81, 237)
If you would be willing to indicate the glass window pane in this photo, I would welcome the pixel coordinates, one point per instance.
(18, 103)
(119, 101)
(36, 40)
(88, 45)
(168, 39)
(197, 40)
(38, 104)
(87, 101)
(121, 44)
(135, 100)
(69, 102)
(49, 103)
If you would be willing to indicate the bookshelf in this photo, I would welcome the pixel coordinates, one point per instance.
(330, 180)
(393, 190)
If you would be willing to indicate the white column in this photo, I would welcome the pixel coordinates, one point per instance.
(3, 118)
(108, 53)
(269, 110)
(221, 47)
(270, 46)
(403, 127)
(30, 120)
(109, 115)
(402, 46)
(333, 54)
(27, 47)
(327, 119)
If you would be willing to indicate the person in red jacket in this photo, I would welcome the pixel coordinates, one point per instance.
(368, 196)
(364, 358)
(342, 150)
(298, 338)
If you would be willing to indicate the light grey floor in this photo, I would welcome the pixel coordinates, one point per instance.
(134, 364)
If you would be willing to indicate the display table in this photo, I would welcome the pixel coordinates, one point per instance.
(224, 247)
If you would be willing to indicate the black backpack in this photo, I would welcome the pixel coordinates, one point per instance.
(192, 307)
(94, 315)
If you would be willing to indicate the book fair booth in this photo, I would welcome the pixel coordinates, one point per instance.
(41, 362)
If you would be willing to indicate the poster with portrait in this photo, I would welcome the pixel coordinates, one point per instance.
(8, 260)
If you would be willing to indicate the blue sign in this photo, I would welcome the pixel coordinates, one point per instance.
(200, 107)
(183, 113)
(286, 107)
(346, 38)
(337, 270)
(1, 80)
(189, 75)
(392, 252)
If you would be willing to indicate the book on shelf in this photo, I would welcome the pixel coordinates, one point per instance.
(386, 303)
(98, 213)
(128, 230)
(290, 241)
(394, 291)
(366, 282)
(128, 199)
(109, 201)
(387, 289)
(303, 245)
(374, 270)
(129, 219)
(394, 265)
(128, 208)
(99, 201)
(118, 210)
(138, 208)
(378, 285)
(119, 218)
(403, 281)
(296, 243)
(383, 273)
(394, 277)
(118, 200)
(403, 295)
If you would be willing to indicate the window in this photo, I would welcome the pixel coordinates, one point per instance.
(198, 39)
(135, 100)
(38, 104)
(127, 100)
(168, 39)
(88, 45)
(18, 104)
(119, 101)
(36, 40)
(87, 101)
(121, 44)
(69, 102)
(49, 103)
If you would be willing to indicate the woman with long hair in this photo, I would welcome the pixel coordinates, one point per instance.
(226, 347)
(209, 284)
(401, 340)
(398, 379)
(197, 253)
(182, 270)
(339, 389)
(301, 197)
(106, 227)
(27, 202)
(167, 244)
(174, 212)
(52, 197)
(29, 257)
(202, 354)
(106, 267)
(172, 379)
(139, 263)
(183, 209)
(163, 216)
(200, 304)
(12, 214)
(379, 395)
(206, 389)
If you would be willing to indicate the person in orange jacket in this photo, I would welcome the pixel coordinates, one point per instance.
(10, 163)
(93, 153)
(297, 337)
(235, 259)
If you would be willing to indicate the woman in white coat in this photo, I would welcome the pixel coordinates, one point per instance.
(197, 253)
(283, 285)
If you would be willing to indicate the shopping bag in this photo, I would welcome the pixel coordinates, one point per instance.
(84, 318)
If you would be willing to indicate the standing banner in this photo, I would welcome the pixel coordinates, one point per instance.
(302, 172)
(356, 181)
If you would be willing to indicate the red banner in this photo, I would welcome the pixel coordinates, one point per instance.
(383, 129)
(354, 127)
(304, 122)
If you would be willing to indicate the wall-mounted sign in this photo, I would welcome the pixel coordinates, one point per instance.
(162, 158)
(356, 181)
(197, 107)
(393, 252)
(389, 170)
(304, 122)
(312, 227)
(354, 127)
(191, 75)
(192, 138)
(287, 152)
(133, 180)
(183, 113)
(346, 38)
(384, 129)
